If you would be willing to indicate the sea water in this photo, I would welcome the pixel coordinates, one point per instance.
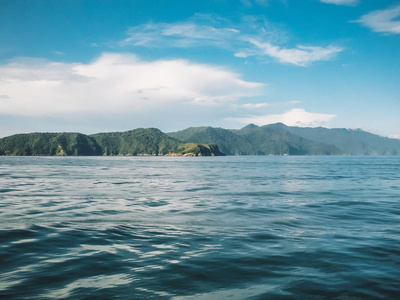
(255, 227)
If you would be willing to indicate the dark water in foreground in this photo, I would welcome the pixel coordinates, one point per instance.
(200, 228)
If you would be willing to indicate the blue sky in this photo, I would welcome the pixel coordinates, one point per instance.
(97, 65)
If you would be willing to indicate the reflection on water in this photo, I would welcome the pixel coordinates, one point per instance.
(200, 228)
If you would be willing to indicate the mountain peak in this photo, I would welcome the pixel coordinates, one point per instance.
(251, 125)
(276, 125)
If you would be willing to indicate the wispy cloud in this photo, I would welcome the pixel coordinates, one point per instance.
(341, 2)
(295, 117)
(300, 56)
(255, 105)
(117, 83)
(383, 20)
(179, 35)
(254, 37)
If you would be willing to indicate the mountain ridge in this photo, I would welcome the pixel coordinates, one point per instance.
(271, 139)
(141, 141)
(280, 139)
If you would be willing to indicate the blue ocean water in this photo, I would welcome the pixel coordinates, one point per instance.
(255, 227)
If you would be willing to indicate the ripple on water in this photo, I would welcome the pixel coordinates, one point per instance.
(232, 227)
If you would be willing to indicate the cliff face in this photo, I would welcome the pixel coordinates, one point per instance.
(134, 142)
(192, 149)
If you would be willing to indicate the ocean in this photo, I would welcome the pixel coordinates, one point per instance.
(234, 227)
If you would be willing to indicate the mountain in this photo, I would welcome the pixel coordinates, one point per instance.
(228, 142)
(150, 141)
(278, 141)
(49, 144)
(140, 141)
(351, 141)
(254, 140)
(273, 139)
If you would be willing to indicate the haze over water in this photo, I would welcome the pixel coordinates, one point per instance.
(200, 228)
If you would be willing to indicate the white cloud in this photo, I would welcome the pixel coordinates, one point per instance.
(383, 20)
(295, 117)
(300, 56)
(242, 54)
(116, 83)
(254, 37)
(341, 2)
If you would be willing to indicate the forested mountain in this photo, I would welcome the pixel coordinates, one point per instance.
(151, 141)
(228, 142)
(352, 141)
(140, 141)
(254, 140)
(274, 139)
(279, 139)
(49, 144)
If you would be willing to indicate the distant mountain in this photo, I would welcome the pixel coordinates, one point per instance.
(140, 141)
(278, 141)
(254, 140)
(273, 139)
(355, 142)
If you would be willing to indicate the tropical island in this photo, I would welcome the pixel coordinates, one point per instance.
(273, 139)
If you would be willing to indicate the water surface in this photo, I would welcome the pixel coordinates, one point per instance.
(200, 228)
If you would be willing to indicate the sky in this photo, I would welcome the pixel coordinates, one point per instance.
(100, 65)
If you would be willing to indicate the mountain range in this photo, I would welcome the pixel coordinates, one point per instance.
(150, 141)
(273, 139)
(279, 139)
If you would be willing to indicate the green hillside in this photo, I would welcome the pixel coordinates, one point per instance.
(227, 141)
(140, 141)
(355, 142)
(278, 141)
(254, 140)
(274, 139)
(49, 144)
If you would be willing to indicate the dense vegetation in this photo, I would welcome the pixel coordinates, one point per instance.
(140, 141)
(279, 139)
(228, 142)
(199, 149)
(253, 140)
(356, 142)
(49, 144)
(274, 139)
